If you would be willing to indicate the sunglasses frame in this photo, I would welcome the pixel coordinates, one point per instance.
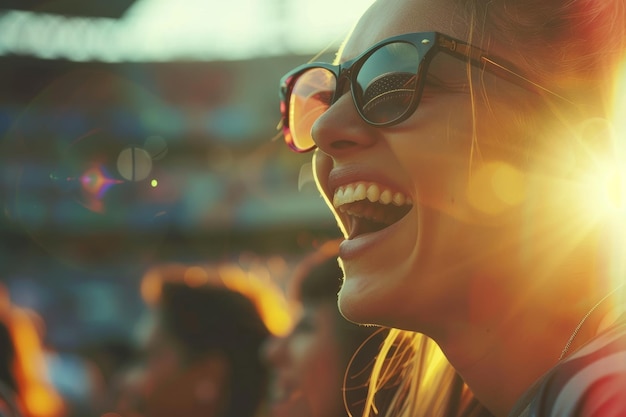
(428, 44)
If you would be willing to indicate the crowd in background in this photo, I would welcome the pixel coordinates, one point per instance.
(216, 340)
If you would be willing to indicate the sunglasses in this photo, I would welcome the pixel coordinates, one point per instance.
(386, 83)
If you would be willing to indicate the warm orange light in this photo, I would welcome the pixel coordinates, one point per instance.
(39, 399)
(605, 185)
(616, 184)
(268, 297)
(196, 276)
(257, 283)
(150, 287)
(495, 187)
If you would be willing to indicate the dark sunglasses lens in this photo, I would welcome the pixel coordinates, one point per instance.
(388, 82)
(310, 97)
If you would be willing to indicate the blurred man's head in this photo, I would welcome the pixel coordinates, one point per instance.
(203, 354)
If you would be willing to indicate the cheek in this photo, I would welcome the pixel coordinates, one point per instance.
(470, 171)
(322, 165)
(437, 160)
(440, 181)
(162, 369)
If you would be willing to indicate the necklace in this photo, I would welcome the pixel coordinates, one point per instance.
(580, 324)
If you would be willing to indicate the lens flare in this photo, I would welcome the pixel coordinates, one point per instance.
(96, 181)
(496, 187)
(76, 166)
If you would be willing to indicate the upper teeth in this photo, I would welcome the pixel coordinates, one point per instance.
(373, 192)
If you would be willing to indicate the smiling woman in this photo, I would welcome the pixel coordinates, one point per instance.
(461, 172)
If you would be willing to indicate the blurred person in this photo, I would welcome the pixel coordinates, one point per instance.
(202, 354)
(8, 384)
(125, 393)
(320, 368)
(25, 386)
(90, 376)
(109, 355)
(78, 379)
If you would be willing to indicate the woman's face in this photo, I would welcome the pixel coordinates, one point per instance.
(306, 366)
(430, 259)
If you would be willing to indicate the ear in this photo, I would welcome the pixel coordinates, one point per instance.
(200, 389)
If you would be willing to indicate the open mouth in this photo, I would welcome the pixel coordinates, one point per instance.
(368, 207)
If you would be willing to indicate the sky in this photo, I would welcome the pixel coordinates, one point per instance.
(162, 30)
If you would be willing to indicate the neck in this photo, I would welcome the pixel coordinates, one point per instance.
(503, 363)
(501, 356)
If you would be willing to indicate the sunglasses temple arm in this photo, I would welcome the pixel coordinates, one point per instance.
(516, 78)
(476, 56)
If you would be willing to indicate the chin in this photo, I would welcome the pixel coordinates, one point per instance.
(354, 313)
(401, 296)
(379, 272)
(362, 305)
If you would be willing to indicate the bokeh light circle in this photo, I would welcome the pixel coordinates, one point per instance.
(82, 171)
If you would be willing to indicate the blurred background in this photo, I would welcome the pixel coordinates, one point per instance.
(138, 132)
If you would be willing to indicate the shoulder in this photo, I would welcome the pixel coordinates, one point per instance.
(590, 383)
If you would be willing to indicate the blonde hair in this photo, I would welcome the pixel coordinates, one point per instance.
(567, 45)
(421, 378)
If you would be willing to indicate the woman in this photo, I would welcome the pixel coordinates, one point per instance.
(310, 363)
(469, 152)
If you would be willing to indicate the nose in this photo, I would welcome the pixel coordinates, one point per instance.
(341, 130)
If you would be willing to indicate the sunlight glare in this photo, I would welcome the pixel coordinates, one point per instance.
(617, 229)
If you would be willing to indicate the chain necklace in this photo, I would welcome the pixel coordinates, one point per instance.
(580, 324)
